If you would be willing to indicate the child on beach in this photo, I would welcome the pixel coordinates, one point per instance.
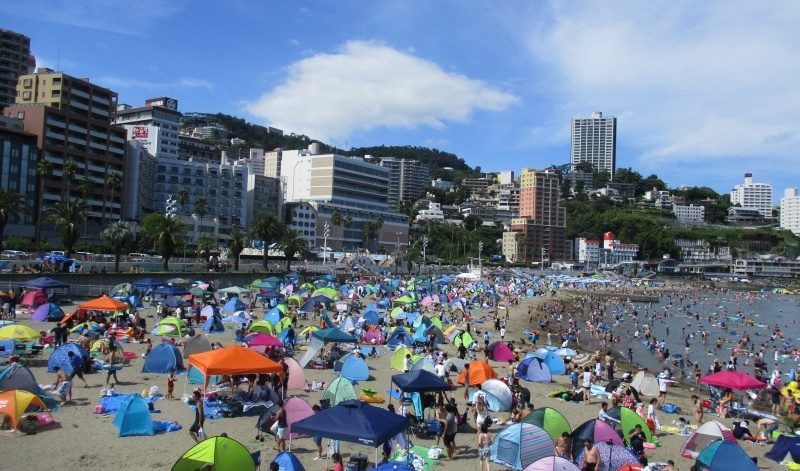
(170, 383)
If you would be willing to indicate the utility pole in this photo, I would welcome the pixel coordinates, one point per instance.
(424, 249)
(325, 243)
(480, 262)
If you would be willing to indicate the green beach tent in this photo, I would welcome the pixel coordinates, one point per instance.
(551, 420)
(340, 389)
(222, 452)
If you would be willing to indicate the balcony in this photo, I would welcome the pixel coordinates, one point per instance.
(78, 105)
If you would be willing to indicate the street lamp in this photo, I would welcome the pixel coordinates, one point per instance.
(480, 262)
(325, 244)
(424, 249)
(397, 258)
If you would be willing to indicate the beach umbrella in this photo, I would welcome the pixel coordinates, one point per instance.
(566, 352)
(18, 332)
(738, 380)
(93, 326)
(612, 456)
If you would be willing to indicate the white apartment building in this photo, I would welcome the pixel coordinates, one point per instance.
(690, 214)
(156, 125)
(594, 140)
(513, 244)
(790, 210)
(615, 252)
(587, 251)
(433, 213)
(701, 250)
(751, 195)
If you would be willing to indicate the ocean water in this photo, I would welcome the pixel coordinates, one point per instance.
(726, 316)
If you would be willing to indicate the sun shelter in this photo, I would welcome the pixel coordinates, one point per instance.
(646, 383)
(233, 360)
(33, 299)
(352, 367)
(47, 312)
(551, 420)
(709, 432)
(554, 362)
(19, 332)
(399, 337)
(373, 336)
(519, 445)
(723, 455)
(288, 462)
(104, 303)
(455, 365)
(60, 357)
(262, 326)
(356, 422)
(596, 431)
(213, 325)
(259, 342)
(162, 359)
(479, 371)
(420, 381)
(498, 395)
(738, 380)
(499, 351)
(552, 463)
(437, 333)
(18, 376)
(297, 378)
(133, 417)
(323, 337)
(223, 453)
(423, 363)
(196, 344)
(340, 390)
(462, 338)
(171, 326)
(399, 355)
(233, 305)
(44, 283)
(296, 409)
(612, 456)
(534, 369)
(392, 466)
(786, 448)
(15, 403)
(628, 419)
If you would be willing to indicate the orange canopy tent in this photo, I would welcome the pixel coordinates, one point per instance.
(104, 303)
(15, 402)
(233, 360)
(479, 371)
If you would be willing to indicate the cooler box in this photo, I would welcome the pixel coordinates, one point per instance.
(358, 462)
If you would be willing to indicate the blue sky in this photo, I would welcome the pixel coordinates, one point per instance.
(703, 91)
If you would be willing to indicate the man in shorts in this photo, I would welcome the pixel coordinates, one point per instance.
(591, 456)
(450, 430)
(76, 362)
(63, 386)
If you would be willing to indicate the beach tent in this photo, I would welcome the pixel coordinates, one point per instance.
(133, 417)
(354, 421)
(462, 338)
(297, 378)
(43, 283)
(420, 381)
(259, 342)
(422, 363)
(171, 326)
(396, 363)
(296, 409)
(194, 376)
(233, 305)
(554, 362)
(233, 360)
(628, 419)
(552, 463)
(498, 395)
(786, 448)
(14, 403)
(47, 312)
(612, 456)
(551, 420)
(738, 380)
(705, 434)
(19, 332)
(147, 283)
(373, 336)
(322, 337)
(196, 344)
(101, 345)
(262, 326)
(519, 445)
(723, 455)
(596, 431)
(646, 383)
(352, 367)
(213, 325)
(455, 365)
(534, 369)
(499, 351)
(399, 337)
(437, 333)
(287, 462)
(60, 357)
(33, 299)
(392, 466)
(273, 315)
(163, 358)
(223, 453)
(479, 371)
(104, 303)
(340, 390)
(18, 376)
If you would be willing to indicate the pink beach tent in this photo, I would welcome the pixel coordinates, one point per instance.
(733, 379)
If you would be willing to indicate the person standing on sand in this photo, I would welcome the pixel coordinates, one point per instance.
(698, 410)
(466, 381)
(170, 383)
(485, 440)
(196, 430)
(450, 430)
(591, 456)
(587, 383)
(76, 362)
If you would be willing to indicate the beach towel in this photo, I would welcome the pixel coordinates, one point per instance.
(112, 404)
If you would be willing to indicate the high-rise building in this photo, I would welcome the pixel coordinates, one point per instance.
(542, 220)
(15, 60)
(594, 140)
(751, 195)
(72, 119)
(18, 158)
(156, 125)
(790, 210)
(406, 179)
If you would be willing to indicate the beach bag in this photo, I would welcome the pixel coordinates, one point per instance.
(274, 427)
(201, 434)
(651, 425)
(669, 408)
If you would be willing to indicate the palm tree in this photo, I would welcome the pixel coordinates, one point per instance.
(68, 214)
(236, 246)
(182, 198)
(113, 183)
(266, 227)
(369, 229)
(378, 226)
(169, 232)
(43, 169)
(292, 243)
(12, 205)
(68, 171)
(347, 222)
(201, 207)
(336, 221)
(118, 234)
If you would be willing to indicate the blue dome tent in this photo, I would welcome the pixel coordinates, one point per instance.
(162, 359)
(133, 417)
(213, 325)
(60, 357)
(288, 462)
(554, 362)
(352, 367)
(400, 336)
(233, 305)
(534, 369)
(723, 455)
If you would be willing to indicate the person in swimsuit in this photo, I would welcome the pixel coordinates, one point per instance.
(484, 442)
(564, 446)
(199, 417)
(591, 456)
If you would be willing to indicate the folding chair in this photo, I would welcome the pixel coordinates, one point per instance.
(35, 353)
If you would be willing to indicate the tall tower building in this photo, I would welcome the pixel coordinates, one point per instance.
(790, 210)
(406, 179)
(751, 195)
(72, 119)
(594, 140)
(15, 60)
(542, 220)
(156, 125)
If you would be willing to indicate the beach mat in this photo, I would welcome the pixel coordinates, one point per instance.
(418, 453)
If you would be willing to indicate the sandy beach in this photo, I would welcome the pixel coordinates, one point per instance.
(84, 440)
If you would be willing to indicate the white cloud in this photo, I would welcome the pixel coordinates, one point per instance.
(367, 85)
(688, 81)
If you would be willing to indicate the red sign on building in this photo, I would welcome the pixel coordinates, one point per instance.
(140, 132)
